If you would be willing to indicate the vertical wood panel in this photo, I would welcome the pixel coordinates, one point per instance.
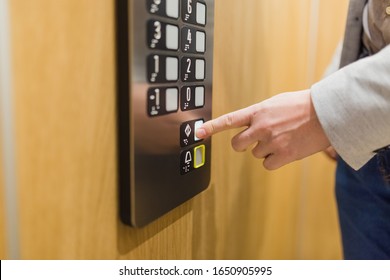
(319, 219)
(65, 127)
(286, 38)
(2, 204)
(255, 209)
(332, 22)
(63, 63)
(233, 174)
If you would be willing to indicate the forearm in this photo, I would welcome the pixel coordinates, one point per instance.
(353, 106)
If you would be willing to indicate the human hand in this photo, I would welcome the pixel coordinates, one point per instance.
(282, 129)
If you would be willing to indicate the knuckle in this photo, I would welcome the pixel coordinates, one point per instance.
(266, 132)
(229, 120)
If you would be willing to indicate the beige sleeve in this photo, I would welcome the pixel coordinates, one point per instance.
(353, 106)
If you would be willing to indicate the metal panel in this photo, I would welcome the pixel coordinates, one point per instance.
(157, 168)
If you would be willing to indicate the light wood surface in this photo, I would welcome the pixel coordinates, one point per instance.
(2, 206)
(63, 53)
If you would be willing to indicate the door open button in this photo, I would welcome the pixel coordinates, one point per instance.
(187, 133)
(196, 126)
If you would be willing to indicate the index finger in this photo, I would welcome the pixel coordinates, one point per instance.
(228, 121)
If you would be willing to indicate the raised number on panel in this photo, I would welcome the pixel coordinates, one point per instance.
(157, 31)
(189, 6)
(188, 95)
(189, 36)
(156, 68)
(189, 65)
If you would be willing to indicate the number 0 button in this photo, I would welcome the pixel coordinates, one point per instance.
(192, 97)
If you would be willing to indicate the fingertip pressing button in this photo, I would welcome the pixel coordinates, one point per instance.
(197, 125)
(201, 133)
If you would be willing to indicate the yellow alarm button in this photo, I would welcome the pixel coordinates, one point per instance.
(200, 156)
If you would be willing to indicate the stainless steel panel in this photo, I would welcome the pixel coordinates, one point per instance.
(151, 178)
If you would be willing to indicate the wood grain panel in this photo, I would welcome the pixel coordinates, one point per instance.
(65, 126)
(63, 53)
(2, 204)
(65, 104)
(253, 217)
(318, 216)
(330, 32)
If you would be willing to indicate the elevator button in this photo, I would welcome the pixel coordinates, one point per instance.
(193, 69)
(162, 101)
(194, 12)
(193, 40)
(162, 36)
(172, 8)
(199, 97)
(172, 37)
(200, 42)
(162, 68)
(200, 69)
(196, 126)
(164, 8)
(199, 156)
(172, 100)
(201, 13)
(187, 132)
(172, 69)
(192, 97)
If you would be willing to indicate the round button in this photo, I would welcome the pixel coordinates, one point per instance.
(388, 10)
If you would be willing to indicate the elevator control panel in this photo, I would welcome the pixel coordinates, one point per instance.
(164, 93)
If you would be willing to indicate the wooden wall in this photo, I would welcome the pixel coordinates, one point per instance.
(2, 206)
(64, 81)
